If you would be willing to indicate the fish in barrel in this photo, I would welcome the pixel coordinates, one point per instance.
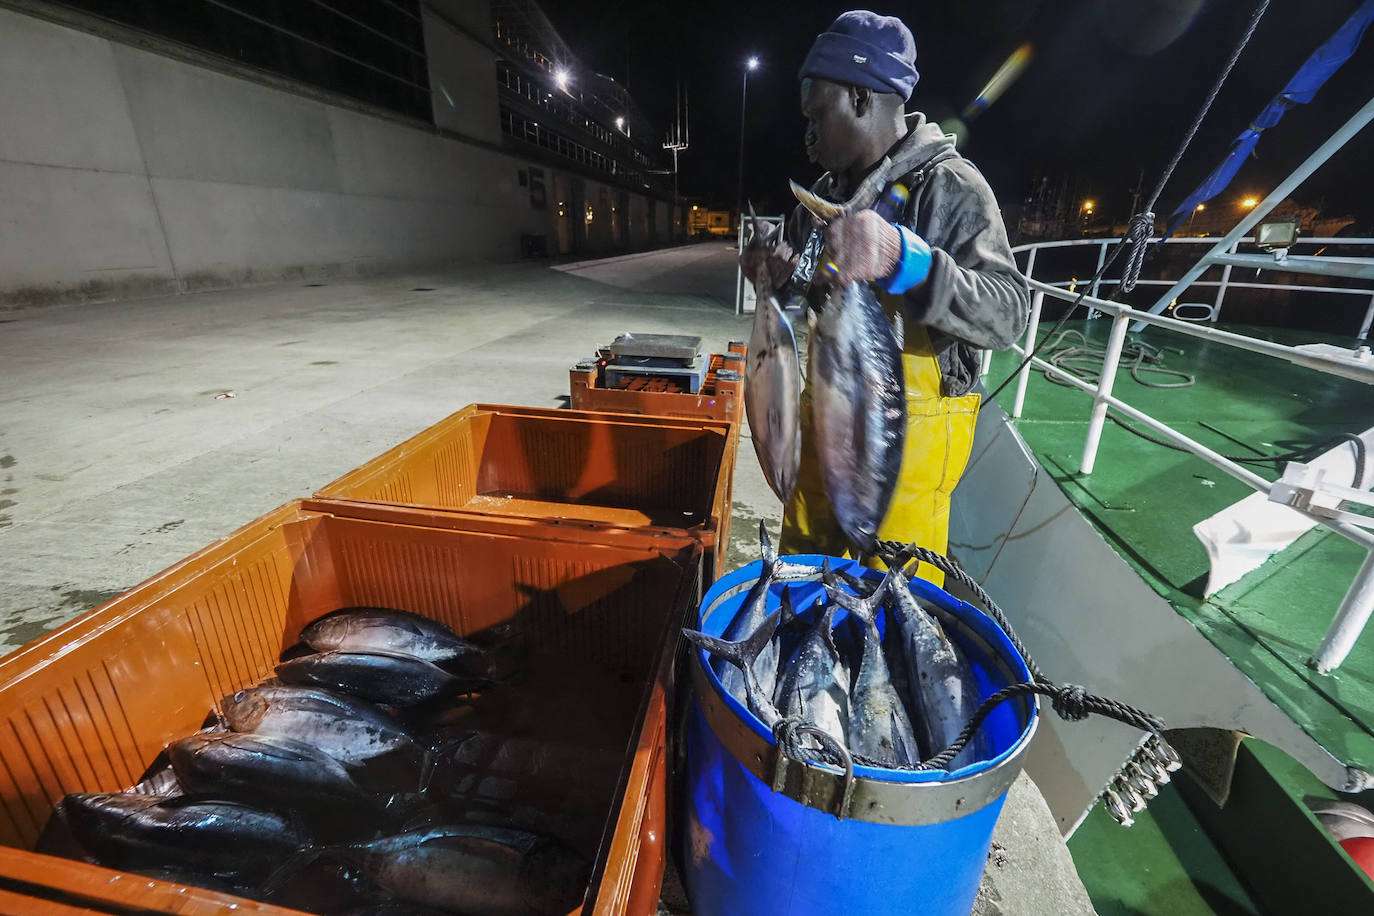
(754, 610)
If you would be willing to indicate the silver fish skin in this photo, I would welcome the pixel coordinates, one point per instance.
(389, 678)
(348, 729)
(1344, 820)
(473, 868)
(814, 685)
(128, 831)
(772, 385)
(879, 725)
(364, 628)
(264, 769)
(742, 654)
(944, 693)
(858, 410)
(751, 613)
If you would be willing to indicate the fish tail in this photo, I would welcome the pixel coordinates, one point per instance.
(742, 654)
(770, 556)
(818, 206)
(862, 587)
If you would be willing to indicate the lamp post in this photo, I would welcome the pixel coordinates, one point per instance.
(1196, 210)
(751, 64)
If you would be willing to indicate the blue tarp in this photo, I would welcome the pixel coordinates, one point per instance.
(1315, 71)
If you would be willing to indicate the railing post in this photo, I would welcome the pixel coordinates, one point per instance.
(1032, 328)
(1368, 320)
(987, 362)
(1225, 279)
(1104, 390)
(1349, 621)
(1097, 275)
(1030, 262)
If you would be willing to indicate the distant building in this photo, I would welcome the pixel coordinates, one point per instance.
(151, 148)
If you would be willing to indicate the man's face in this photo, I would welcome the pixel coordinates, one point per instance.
(832, 127)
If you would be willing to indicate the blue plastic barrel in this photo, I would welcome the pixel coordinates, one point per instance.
(910, 842)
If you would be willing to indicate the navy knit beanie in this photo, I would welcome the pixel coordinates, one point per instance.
(864, 49)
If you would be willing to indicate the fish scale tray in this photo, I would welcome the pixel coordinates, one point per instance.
(88, 707)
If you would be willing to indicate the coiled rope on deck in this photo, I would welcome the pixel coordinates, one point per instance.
(1078, 356)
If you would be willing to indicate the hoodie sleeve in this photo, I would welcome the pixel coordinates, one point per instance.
(974, 292)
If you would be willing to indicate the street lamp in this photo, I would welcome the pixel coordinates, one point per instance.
(751, 64)
(1249, 203)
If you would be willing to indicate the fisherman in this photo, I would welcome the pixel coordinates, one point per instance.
(928, 235)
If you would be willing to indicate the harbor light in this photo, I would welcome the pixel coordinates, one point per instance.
(1087, 206)
(1199, 208)
(752, 63)
(1249, 203)
(620, 123)
(560, 77)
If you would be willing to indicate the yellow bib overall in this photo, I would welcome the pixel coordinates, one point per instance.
(939, 437)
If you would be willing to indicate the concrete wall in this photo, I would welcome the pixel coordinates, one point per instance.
(124, 172)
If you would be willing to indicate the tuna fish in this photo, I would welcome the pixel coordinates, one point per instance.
(350, 730)
(278, 772)
(941, 687)
(389, 678)
(772, 385)
(472, 868)
(354, 629)
(880, 730)
(751, 614)
(858, 401)
(128, 831)
(815, 684)
(742, 654)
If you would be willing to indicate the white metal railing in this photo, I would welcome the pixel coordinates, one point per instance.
(1358, 604)
(1104, 245)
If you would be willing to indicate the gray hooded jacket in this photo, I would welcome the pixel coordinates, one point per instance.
(974, 297)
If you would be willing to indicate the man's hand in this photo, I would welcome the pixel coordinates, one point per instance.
(861, 246)
(775, 264)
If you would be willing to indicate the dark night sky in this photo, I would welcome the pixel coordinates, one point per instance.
(1110, 90)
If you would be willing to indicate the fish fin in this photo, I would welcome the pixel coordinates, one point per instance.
(824, 210)
(906, 756)
(828, 575)
(295, 863)
(787, 614)
(769, 555)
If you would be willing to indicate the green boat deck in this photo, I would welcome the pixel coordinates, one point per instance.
(1145, 498)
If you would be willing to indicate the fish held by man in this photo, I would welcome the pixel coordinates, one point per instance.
(858, 401)
(772, 383)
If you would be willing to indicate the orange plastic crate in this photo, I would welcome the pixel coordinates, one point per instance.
(88, 707)
(666, 475)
